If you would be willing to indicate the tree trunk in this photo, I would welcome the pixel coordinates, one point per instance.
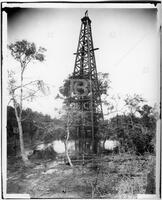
(95, 145)
(23, 155)
(66, 148)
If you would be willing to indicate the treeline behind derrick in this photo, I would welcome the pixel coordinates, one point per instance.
(134, 133)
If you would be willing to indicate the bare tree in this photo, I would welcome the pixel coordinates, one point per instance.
(24, 52)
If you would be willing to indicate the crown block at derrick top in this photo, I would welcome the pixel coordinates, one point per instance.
(85, 20)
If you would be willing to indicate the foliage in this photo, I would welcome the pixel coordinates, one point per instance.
(103, 81)
(37, 128)
(133, 102)
(24, 51)
(78, 116)
(133, 133)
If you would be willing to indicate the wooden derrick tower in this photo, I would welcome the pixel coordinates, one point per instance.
(86, 90)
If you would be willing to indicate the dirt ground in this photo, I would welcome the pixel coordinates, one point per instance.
(112, 176)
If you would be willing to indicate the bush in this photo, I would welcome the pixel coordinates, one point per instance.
(45, 153)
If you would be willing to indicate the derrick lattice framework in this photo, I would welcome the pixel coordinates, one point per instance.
(85, 71)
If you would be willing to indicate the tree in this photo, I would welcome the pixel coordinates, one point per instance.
(134, 124)
(69, 98)
(104, 85)
(29, 129)
(24, 52)
(70, 117)
(133, 103)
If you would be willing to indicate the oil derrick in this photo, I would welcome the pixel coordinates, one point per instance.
(85, 85)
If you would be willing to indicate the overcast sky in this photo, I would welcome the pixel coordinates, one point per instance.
(128, 42)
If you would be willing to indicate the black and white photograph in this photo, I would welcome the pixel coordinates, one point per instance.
(80, 100)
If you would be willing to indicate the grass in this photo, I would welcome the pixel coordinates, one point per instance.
(113, 176)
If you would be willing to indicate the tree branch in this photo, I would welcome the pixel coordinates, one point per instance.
(9, 101)
(31, 95)
(25, 85)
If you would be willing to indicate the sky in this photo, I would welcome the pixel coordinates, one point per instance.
(128, 42)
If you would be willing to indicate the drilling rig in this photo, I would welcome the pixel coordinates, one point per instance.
(85, 85)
